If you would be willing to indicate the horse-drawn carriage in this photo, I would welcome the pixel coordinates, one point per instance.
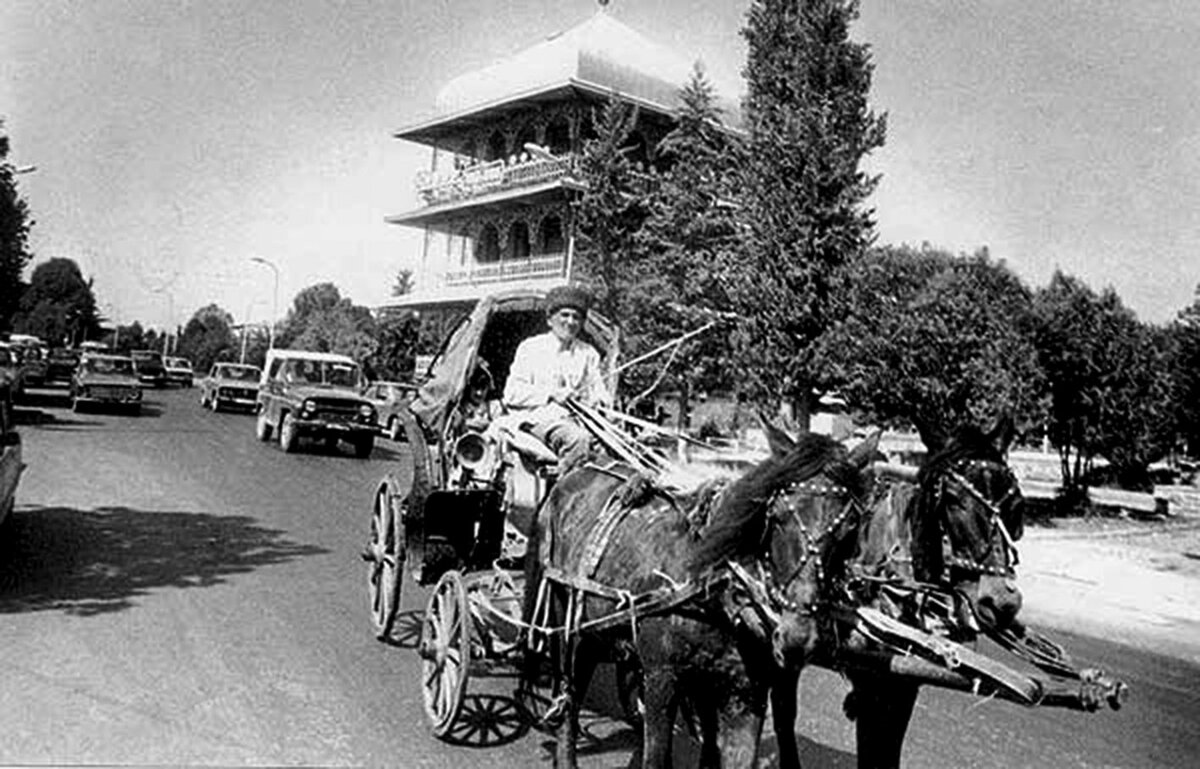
(713, 594)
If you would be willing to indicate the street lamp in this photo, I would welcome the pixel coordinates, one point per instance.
(274, 300)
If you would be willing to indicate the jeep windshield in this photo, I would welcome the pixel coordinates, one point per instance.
(344, 376)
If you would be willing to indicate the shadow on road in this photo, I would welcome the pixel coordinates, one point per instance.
(92, 562)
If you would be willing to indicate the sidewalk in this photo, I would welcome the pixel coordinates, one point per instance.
(1105, 586)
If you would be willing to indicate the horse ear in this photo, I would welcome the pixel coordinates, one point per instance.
(866, 451)
(777, 439)
(1002, 433)
(930, 432)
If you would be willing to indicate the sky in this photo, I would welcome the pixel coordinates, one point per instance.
(175, 142)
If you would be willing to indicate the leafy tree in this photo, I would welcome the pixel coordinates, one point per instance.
(1108, 385)
(127, 338)
(323, 321)
(686, 239)
(15, 224)
(208, 337)
(809, 128)
(404, 283)
(396, 346)
(59, 305)
(1185, 374)
(611, 210)
(928, 336)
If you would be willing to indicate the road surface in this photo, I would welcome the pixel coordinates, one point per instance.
(174, 592)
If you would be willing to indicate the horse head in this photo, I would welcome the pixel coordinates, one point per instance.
(966, 517)
(779, 527)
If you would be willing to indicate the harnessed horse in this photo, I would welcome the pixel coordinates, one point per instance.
(724, 603)
(938, 554)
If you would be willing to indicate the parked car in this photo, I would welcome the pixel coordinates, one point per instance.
(11, 371)
(148, 365)
(230, 385)
(391, 401)
(61, 363)
(178, 371)
(106, 380)
(316, 395)
(33, 363)
(10, 453)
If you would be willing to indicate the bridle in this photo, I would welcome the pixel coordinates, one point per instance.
(813, 541)
(993, 513)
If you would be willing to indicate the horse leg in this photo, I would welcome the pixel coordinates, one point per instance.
(784, 690)
(882, 708)
(740, 729)
(579, 663)
(659, 695)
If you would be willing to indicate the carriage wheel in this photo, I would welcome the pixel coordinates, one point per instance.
(445, 649)
(384, 555)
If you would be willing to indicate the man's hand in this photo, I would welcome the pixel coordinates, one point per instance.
(561, 395)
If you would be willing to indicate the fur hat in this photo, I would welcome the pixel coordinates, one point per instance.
(567, 296)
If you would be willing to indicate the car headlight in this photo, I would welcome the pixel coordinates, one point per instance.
(366, 412)
(308, 406)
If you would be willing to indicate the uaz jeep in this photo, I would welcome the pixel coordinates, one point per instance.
(314, 395)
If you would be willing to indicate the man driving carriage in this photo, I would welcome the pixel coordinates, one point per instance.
(551, 368)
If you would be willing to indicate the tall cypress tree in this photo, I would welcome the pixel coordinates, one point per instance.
(14, 229)
(686, 240)
(809, 128)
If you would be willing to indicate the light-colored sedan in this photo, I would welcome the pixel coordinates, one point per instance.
(230, 385)
(391, 399)
(179, 371)
(108, 380)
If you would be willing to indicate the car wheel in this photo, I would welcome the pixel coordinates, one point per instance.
(262, 428)
(395, 429)
(363, 446)
(288, 440)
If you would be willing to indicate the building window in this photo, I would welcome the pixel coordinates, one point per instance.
(487, 247)
(551, 236)
(495, 147)
(518, 241)
(558, 136)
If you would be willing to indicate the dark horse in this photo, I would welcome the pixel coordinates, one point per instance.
(954, 530)
(747, 560)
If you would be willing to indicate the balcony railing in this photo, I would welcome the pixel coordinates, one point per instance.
(547, 266)
(492, 177)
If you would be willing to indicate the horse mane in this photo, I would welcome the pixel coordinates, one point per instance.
(737, 526)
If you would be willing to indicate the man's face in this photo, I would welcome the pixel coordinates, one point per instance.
(565, 322)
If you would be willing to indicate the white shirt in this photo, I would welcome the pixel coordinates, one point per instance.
(543, 365)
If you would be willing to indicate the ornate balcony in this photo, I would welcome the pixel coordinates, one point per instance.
(514, 270)
(492, 177)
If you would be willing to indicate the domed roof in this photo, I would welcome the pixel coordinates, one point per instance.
(601, 53)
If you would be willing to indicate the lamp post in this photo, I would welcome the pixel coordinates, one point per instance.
(274, 300)
(246, 327)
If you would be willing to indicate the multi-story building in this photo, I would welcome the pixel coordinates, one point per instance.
(496, 200)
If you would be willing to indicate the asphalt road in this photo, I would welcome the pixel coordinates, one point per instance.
(174, 592)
